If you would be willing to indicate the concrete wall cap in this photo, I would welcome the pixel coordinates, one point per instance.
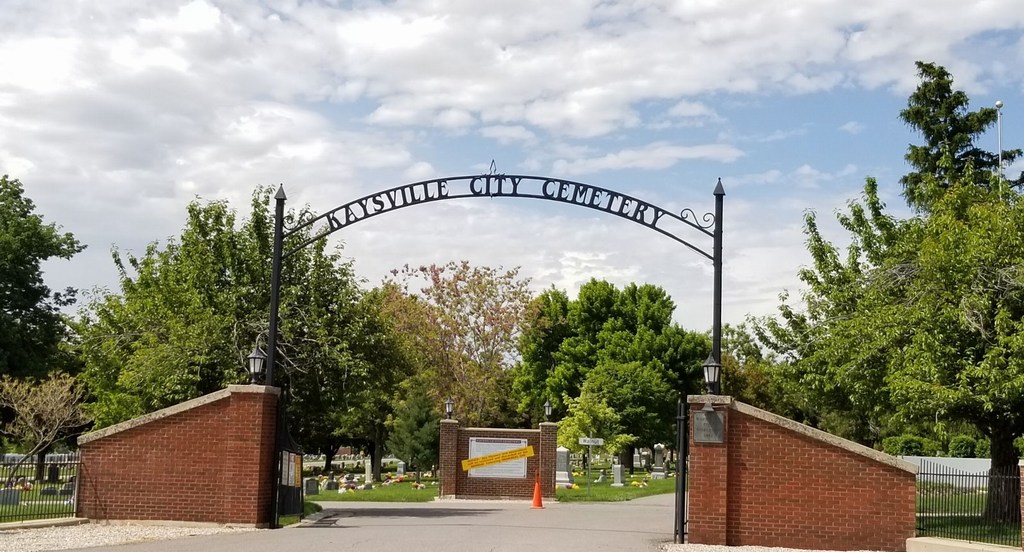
(824, 437)
(709, 399)
(499, 430)
(175, 409)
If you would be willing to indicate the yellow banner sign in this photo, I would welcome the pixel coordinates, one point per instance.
(497, 458)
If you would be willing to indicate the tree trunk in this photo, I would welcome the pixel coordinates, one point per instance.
(1002, 505)
(377, 452)
(41, 465)
(328, 459)
(628, 460)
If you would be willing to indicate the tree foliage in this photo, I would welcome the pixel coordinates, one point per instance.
(468, 319)
(43, 411)
(189, 312)
(416, 432)
(950, 131)
(590, 416)
(618, 347)
(920, 322)
(29, 311)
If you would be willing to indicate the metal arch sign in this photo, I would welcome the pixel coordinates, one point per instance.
(615, 203)
(493, 185)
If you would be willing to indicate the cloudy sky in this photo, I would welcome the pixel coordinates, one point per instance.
(116, 113)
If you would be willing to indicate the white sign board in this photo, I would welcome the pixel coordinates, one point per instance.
(595, 441)
(482, 446)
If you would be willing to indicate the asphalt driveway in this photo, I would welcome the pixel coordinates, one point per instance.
(452, 526)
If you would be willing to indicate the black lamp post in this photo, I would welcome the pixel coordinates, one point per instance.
(449, 406)
(713, 375)
(257, 363)
(547, 410)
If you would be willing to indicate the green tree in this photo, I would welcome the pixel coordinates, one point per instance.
(950, 130)
(186, 316)
(32, 324)
(641, 394)
(416, 432)
(189, 312)
(920, 321)
(590, 416)
(629, 333)
(545, 327)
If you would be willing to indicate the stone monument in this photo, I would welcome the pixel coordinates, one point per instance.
(563, 475)
(618, 471)
(658, 471)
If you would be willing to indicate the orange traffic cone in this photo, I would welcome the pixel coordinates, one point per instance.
(538, 504)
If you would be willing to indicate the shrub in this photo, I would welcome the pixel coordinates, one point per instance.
(904, 445)
(962, 446)
(984, 449)
(1019, 443)
(931, 447)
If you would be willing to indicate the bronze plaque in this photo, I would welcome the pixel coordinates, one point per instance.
(708, 427)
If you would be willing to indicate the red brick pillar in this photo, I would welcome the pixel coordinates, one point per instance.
(249, 445)
(449, 458)
(548, 444)
(1020, 470)
(708, 475)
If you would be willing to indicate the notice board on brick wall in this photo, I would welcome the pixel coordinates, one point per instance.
(483, 446)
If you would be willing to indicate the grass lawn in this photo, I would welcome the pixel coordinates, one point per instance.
(599, 492)
(604, 492)
(396, 492)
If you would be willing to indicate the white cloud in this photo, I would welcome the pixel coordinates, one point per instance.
(658, 155)
(852, 127)
(509, 134)
(117, 113)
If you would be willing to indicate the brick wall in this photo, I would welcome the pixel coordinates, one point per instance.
(1020, 464)
(205, 460)
(775, 482)
(456, 483)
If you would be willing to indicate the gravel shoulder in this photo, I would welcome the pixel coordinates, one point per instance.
(716, 548)
(90, 534)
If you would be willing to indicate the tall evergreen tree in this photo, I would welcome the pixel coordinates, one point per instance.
(950, 131)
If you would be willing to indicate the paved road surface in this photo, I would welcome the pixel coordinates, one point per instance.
(453, 526)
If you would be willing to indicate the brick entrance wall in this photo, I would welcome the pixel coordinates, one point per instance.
(776, 482)
(204, 460)
(456, 483)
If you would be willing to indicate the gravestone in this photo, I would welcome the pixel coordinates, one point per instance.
(10, 496)
(600, 478)
(645, 459)
(637, 463)
(563, 475)
(658, 472)
(368, 476)
(332, 485)
(48, 491)
(617, 473)
(69, 488)
(401, 468)
(312, 487)
(53, 473)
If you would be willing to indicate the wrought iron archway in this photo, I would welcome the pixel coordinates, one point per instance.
(663, 221)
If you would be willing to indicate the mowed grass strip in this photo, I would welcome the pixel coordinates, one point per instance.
(604, 492)
(599, 492)
(395, 492)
